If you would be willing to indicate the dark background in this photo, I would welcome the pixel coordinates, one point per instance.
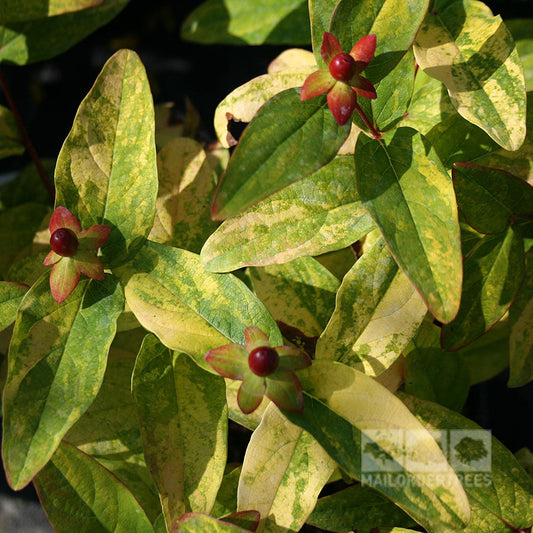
(49, 93)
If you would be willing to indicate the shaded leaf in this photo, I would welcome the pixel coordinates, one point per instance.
(10, 138)
(106, 172)
(320, 13)
(354, 418)
(490, 198)
(74, 481)
(29, 41)
(300, 293)
(260, 22)
(226, 500)
(186, 184)
(353, 20)
(377, 313)
(201, 523)
(17, 10)
(273, 154)
(57, 361)
(496, 485)
(183, 415)
(494, 270)
(194, 311)
(474, 55)
(404, 186)
(320, 213)
(284, 469)
(521, 32)
(10, 297)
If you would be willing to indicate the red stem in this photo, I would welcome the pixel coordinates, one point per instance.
(26, 138)
(375, 133)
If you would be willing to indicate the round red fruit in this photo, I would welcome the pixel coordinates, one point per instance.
(263, 361)
(64, 242)
(342, 67)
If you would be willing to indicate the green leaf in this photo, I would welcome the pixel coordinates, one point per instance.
(394, 94)
(283, 472)
(10, 297)
(493, 272)
(258, 22)
(17, 10)
(474, 55)
(186, 184)
(57, 361)
(357, 508)
(354, 418)
(79, 494)
(490, 198)
(30, 41)
(272, 154)
(395, 25)
(300, 294)
(200, 523)
(189, 309)
(497, 487)
(521, 339)
(18, 226)
(115, 184)
(226, 501)
(521, 32)
(377, 313)
(320, 13)
(10, 138)
(404, 186)
(435, 375)
(320, 213)
(109, 430)
(183, 417)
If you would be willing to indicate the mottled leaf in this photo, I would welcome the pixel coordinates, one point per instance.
(521, 339)
(358, 508)
(183, 417)
(490, 198)
(521, 32)
(242, 104)
(362, 426)
(10, 297)
(474, 55)
(201, 523)
(320, 213)
(57, 361)
(186, 184)
(106, 172)
(300, 294)
(30, 41)
(79, 494)
(493, 272)
(404, 186)
(226, 500)
(394, 24)
(283, 472)
(496, 485)
(377, 313)
(258, 22)
(189, 309)
(272, 154)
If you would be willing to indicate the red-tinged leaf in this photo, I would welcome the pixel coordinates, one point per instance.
(248, 520)
(230, 361)
(316, 84)
(330, 47)
(64, 278)
(251, 392)
(90, 265)
(341, 102)
(363, 87)
(291, 358)
(52, 258)
(255, 338)
(94, 237)
(363, 51)
(284, 389)
(63, 218)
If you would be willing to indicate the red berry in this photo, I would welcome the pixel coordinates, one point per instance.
(64, 242)
(263, 361)
(342, 67)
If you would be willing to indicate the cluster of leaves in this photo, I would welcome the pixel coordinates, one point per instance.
(398, 257)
